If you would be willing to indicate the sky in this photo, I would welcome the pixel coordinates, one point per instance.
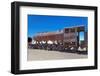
(49, 23)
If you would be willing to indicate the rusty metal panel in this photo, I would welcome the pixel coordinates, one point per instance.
(70, 37)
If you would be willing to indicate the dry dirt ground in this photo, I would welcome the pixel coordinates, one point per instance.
(37, 54)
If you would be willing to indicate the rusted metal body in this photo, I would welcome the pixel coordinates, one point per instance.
(67, 36)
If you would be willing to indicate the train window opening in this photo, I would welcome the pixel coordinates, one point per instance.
(66, 30)
(81, 36)
(72, 30)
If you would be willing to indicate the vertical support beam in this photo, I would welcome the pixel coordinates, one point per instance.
(78, 39)
(86, 39)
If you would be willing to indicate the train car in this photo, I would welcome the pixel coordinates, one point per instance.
(66, 39)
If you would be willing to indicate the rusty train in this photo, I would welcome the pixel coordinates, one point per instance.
(68, 38)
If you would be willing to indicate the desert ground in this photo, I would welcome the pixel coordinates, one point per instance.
(37, 54)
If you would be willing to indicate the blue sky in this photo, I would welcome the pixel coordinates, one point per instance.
(47, 23)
